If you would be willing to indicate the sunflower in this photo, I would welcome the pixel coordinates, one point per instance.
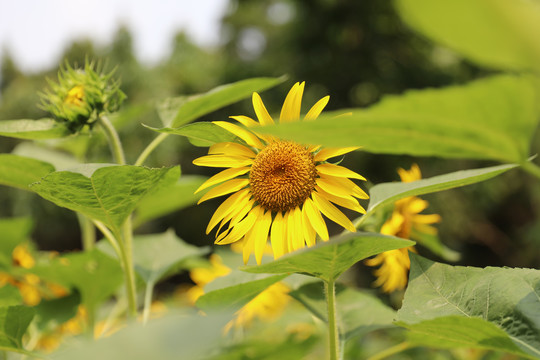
(280, 189)
(404, 222)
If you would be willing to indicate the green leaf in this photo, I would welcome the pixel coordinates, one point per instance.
(9, 296)
(157, 255)
(169, 199)
(58, 159)
(33, 129)
(20, 172)
(180, 111)
(330, 259)
(175, 336)
(434, 244)
(103, 192)
(388, 193)
(358, 311)
(233, 291)
(495, 33)
(96, 275)
(492, 118)
(57, 311)
(461, 332)
(203, 134)
(507, 299)
(14, 321)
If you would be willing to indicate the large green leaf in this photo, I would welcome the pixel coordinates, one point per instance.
(179, 111)
(330, 259)
(10, 296)
(492, 118)
(495, 33)
(94, 274)
(169, 199)
(33, 129)
(202, 133)
(59, 159)
(233, 291)
(104, 192)
(504, 299)
(178, 335)
(14, 321)
(358, 312)
(388, 193)
(20, 171)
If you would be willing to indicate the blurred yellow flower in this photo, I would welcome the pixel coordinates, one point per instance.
(279, 188)
(75, 95)
(395, 264)
(267, 306)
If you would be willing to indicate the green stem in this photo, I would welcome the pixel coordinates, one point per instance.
(147, 301)
(109, 236)
(151, 147)
(114, 140)
(333, 333)
(129, 268)
(88, 232)
(531, 168)
(391, 351)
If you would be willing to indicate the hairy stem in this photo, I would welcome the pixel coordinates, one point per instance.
(333, 333)
(129, 269)
(151, 147)
(114, 140)
(88, 232)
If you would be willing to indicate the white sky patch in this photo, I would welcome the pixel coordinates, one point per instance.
(36, 32)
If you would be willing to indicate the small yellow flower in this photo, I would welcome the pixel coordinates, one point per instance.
(395, 264)
(75, 96)
(21, 257)
(280, 189)
(267, 306)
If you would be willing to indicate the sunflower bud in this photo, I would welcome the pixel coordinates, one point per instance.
(81, 96)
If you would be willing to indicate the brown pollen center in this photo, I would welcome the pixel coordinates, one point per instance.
(283, 176)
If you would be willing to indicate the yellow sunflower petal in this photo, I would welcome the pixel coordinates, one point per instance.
(250, 138)
(298, 239)
(262, 114)
(339, 171)
(245, 120)
(222, 161)
(225, 208)
(328, 153)
(247, 247)
(260, 233)
(410, 175)
(241, 228)
(417, 205)
(426, 219)
(223, 176)
(342, 187)
(225, 188)
(349, 202)
(292, 104)
(240, 210)
(316, 109)
(309, 233)
(315, 218)
(231, 149)
(277, 236)
(331, 212)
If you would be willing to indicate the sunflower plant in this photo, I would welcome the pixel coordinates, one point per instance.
(283, 186)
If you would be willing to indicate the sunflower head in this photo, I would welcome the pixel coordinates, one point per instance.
(277, 190)
(404, 222)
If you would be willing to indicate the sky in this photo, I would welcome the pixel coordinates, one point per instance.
(36, 32)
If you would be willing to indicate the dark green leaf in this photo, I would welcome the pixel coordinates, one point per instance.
(492, 118)
(495, 33)
(57, 311)
(330, 259)
(202, 134)
(14, 321)
(169, 199)
(33, 129)
(507, 299)
(108, 194)
(233, 291)
(358, 312)
(20, 171)
(193, 107)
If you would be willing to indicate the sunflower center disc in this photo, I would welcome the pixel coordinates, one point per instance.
(282, 176)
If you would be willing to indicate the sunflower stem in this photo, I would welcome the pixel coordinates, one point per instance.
(114, 140)
(333, 332)
(129, 268)
(151, 147)
(88, 232)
